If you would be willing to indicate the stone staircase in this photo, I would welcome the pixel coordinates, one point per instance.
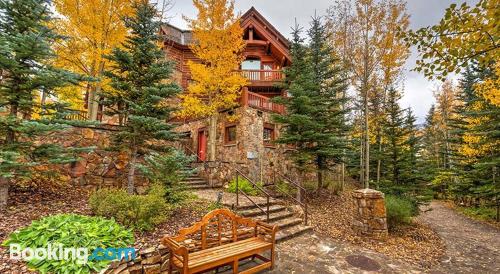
(289, 225)
(195, 182)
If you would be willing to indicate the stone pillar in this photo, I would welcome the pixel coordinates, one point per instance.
(370, 217)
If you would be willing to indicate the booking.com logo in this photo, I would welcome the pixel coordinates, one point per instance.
(57, 252)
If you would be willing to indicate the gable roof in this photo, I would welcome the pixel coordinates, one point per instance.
(254, 12)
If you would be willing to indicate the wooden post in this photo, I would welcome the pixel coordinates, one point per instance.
(244, 96)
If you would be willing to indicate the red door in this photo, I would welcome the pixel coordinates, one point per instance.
(202, 145)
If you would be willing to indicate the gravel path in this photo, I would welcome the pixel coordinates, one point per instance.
(471, 246)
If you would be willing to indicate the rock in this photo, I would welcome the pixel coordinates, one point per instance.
(79, 168)
(88, 133)
(155, 259)
(136, 269)
(152, 269)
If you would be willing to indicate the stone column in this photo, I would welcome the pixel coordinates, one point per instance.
(370, 217)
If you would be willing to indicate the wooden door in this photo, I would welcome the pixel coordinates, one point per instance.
(202, 145)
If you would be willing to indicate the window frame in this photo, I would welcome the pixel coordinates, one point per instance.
(272, 127)
(227, 127)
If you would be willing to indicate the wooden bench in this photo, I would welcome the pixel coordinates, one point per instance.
(221, 238)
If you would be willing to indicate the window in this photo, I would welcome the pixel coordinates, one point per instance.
(230, 134)
(268, 134)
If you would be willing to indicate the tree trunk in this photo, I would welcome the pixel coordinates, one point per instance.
(212, 135)
(319, 172)
(131, 171)
(4, 193)
(11, 134)
(367, 143)
(93, 103)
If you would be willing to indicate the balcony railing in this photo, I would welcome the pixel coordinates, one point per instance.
(263, 75)
(260, 102)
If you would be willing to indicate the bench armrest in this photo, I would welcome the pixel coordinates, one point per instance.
(268, 229)
(177, 250)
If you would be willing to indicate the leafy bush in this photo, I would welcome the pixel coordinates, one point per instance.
(245, 186)
(71, 231)
(140, 212)
(285, 188)
(399, 210)
(481, 213)
(167, 170)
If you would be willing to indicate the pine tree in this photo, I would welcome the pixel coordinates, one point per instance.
(25, 58)
(409, 173)
(139, 77)
(395, 134)
(315, 118)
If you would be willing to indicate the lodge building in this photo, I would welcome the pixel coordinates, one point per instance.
(246, 143)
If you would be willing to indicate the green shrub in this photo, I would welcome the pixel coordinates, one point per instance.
(71, 231)
(285, 188)
(139, 212)
(481, 213)
(167, 169)
(245, 186)
(399, 210)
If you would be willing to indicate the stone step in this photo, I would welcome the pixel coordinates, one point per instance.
(292, 232)
(275, 217)
(250, 205)
(287, 223)
(194, 184)
(199, 187)
(199, 180)
(257, 212)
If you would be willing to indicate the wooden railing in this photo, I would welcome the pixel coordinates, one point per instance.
(79, 115)
(262, 75)
(260, 102)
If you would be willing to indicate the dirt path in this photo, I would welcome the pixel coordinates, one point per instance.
(471, 247)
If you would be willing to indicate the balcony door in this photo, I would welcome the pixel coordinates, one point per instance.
(251, 68)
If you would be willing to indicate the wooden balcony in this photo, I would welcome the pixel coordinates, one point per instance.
(263, 77)
(260, 102)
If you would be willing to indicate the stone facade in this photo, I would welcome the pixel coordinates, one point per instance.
(370, 218)
(249, 153)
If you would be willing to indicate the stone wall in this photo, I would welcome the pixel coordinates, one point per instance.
(248, 153)
(148, 261)
(100, 167)
(370, 217)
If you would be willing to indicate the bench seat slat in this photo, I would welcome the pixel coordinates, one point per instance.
(225, 252)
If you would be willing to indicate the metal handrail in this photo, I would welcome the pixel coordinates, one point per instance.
(239, 173)
(290, 182)
(250, 199)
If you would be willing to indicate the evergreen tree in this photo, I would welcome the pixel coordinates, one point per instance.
(315, 118)
(394, 132)
(140, 76)
(329, 87)
(25, 58)
(410, 173)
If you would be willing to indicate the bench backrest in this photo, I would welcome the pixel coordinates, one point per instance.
(218, 227)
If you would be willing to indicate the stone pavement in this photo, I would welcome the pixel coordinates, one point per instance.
(313, 254)
(471, 246)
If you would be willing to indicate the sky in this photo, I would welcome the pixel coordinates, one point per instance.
(418, 91)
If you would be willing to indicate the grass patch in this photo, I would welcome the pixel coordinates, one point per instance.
(481, 213)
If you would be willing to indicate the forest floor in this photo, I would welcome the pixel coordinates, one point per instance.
(471, 246)
(28, 205)
(332, 216)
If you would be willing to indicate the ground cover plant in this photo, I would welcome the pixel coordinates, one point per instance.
(71, 230)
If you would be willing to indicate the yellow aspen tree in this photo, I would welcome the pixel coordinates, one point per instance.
(219, 44)
(93, 28)
(365, 34)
